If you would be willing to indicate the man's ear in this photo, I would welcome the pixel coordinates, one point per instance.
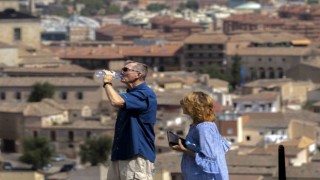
(139, 75)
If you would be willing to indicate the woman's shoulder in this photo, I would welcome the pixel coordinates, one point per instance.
(205, 125)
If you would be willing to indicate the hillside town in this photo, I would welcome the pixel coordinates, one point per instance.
(259, 60)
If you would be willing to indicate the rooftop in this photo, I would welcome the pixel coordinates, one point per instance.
(55, 81)
(10, 14)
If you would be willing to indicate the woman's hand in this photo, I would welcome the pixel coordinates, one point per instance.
(183, 149)
(179, 147)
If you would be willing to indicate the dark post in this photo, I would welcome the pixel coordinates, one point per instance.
(281, 163)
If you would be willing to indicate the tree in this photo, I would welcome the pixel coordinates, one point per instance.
(156, 7)
(235, 71)
(214, 72)
(41, 91)
(113, 9)
(191, 4)
(36, 151)
(95, 150)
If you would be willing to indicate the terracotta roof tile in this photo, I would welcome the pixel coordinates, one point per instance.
(254, 19)
(206, 38)
(50, 69)
(56, 81)
(118, 52)
(36, 109)
(264, 120)
(251, 160)
(268, 96)
(276, 51)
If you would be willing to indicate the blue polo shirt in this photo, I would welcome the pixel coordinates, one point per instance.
(134, 129)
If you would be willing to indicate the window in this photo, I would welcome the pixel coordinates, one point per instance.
(2, 95)
(230, 131)
(247, 106)
(35, 134)
(64, 95)
(17, 34)
(189, 64)
(234, 105)
(88, 134)
(80, 95)
(71, 136)
(18, 95)
(53, 135)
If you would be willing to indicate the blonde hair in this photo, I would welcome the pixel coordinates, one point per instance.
(199, 106)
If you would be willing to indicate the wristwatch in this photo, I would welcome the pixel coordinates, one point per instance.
(105, 83)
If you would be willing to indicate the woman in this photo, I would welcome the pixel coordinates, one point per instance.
(204, 156)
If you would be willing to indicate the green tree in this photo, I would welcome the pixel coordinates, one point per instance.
(125, 10)
(156, 7)
(36, 151)
(40, 91)
(113, 9)
(191, 4)
(214, 71)
(235, 71)
(95, 150)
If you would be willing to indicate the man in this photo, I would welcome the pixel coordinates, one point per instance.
(133, 150)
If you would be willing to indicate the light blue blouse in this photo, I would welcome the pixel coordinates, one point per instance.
(210, 162)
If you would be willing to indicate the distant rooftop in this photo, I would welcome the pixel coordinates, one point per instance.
(12, 14)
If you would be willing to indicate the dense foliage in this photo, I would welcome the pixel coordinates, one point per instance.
(41, 91)
(36, 151)
(96, 150)
(156, 7)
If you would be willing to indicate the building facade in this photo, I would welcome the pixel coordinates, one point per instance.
(19, 28)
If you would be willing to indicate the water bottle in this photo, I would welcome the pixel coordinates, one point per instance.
(100, 74)
(193, 147)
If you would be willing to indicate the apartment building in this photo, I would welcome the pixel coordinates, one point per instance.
(49, 119)
(169, 24)
(58, 70)
(259, 128)
(67, 90)
(19, 28)
(307, 70)
(271, 62)
(158, 57)
(203, 50)
(250, 22)
(259, 102)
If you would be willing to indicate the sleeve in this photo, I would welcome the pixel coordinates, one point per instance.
(136, 100)
(225, 144)
(209, 144)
